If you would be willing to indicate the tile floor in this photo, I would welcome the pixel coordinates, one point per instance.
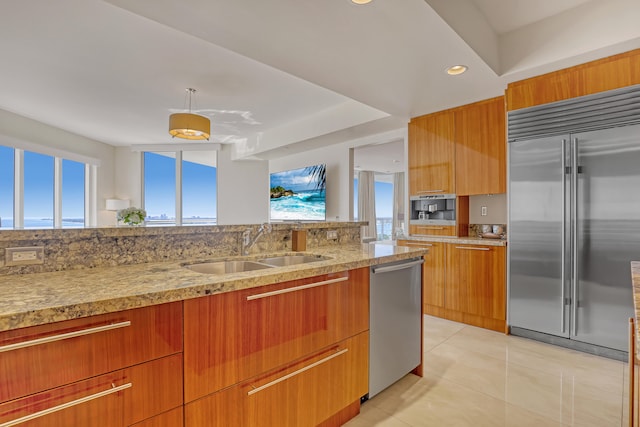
(475, 377)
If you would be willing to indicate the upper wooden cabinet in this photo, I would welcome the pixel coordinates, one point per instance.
(601, 75)
(432, 154)
(481, 150)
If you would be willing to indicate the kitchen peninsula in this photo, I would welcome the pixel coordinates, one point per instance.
(155, 343)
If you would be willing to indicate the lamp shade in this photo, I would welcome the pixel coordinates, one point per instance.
(189, 126)
(116, 204)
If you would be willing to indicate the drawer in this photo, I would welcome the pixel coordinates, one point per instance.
(95, 402)
(302, 394)
(432, 230)
(47, 356)
(234, 336)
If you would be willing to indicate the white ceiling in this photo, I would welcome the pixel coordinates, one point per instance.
(284, 73)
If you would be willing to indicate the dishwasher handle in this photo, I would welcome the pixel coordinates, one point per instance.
(390, 268)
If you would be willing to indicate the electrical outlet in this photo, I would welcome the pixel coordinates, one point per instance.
(332, 234)
(483, 211)
(24, 255)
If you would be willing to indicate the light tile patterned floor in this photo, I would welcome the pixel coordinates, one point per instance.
(474, 377)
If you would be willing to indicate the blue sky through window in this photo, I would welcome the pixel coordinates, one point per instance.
(6, 187)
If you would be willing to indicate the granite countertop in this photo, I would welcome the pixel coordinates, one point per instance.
(635, 280)
(40, 298)
(459, 240)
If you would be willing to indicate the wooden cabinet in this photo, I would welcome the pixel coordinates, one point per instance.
(283, 354)
(465, 283)
(604, 74)
(432, 230)
(481, 148)
(432, 154)
(475, 283)
(305, 393)
(47, 356)
(112, 369)
(433, 272)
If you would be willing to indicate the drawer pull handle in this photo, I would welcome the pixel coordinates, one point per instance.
(65, 405)
(431, 227)
(296, 288)
(417, 244)
(430, 191)
(467, 248)
(65, 336)
(294, 373)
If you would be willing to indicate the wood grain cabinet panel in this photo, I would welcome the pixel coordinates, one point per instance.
(105, 408)
(431, 154)
(233, 336)
(604, 74)
(475, 281)
(432, 230)
(172, 418)
(481, 148)
(302, 394)
(433, 272)
(86, 347)
(156, 387)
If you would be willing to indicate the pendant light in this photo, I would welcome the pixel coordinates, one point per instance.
(189, 125)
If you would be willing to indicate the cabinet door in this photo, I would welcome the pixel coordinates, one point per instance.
(433, 272)
(43, 357)
(475, 281)
(303, 394)
(95, 402)
(481, 148)
(432, 230)
(173, 418)
(432, 154)
(236, 335)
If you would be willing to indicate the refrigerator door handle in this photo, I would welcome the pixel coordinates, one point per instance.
(563, 231)
(574, 237)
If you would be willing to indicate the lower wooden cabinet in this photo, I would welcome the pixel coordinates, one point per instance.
(475, 283)
(433, 273)
(172, 418)
(236, 335)
(465, 283)
(306, 393)
(117, 399)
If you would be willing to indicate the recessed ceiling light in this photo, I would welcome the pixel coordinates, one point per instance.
(456, 70)
(396, 161)
(360, 1)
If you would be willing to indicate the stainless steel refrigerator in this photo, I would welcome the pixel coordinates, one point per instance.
(574, 225)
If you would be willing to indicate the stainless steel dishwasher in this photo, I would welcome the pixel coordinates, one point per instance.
(395, 319)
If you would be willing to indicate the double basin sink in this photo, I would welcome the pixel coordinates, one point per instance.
(237, 266)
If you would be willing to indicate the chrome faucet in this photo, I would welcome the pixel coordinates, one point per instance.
(248, 242)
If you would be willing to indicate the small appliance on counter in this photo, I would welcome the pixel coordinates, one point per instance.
(434, 209)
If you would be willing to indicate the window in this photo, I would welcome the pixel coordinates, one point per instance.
(53, 190)
(6, 187)
(72, 194)
(195, 203)
(160, 188)
(384, 204)
(38, 190)
(199, 188)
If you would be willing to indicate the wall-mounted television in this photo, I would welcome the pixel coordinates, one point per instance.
(299, 194)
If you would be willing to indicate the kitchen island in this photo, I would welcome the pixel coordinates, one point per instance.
(157, 344)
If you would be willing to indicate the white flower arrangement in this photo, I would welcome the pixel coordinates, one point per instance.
(132, 215)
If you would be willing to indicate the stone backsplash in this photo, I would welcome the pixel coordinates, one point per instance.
(475, 230)
(68, 249)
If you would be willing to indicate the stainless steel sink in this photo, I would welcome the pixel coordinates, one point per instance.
(285, 260)
(226, 267)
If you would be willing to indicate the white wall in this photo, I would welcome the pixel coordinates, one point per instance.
(496, 209)
(243, 189)
(21, 132)
(339, 161)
